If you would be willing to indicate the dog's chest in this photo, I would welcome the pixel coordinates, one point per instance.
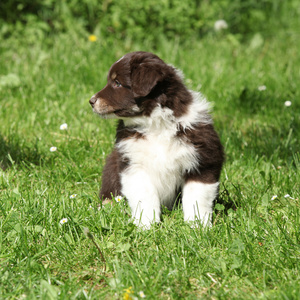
(163, 158)
(159, 152)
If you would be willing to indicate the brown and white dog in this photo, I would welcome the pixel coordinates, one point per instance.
(165, 141)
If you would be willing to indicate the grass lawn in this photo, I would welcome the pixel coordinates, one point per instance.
(253, 249)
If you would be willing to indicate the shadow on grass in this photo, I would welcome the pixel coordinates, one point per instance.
(224, 198)
(14, 150)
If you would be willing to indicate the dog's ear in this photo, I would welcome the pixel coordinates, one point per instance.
(145, 77)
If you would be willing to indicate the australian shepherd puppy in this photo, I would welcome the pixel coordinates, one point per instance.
(165, 141)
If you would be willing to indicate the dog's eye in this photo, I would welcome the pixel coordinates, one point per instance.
(117, 83)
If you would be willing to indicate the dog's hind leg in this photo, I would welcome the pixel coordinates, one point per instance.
(197, 201)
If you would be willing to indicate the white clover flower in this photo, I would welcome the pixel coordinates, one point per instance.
(274, 197)
(53, 149)
(73, 196)
(63, 221)
(63, 126)
(142, 295)
(118, 198)
(287, 103)
(262, 88)
(220, 25)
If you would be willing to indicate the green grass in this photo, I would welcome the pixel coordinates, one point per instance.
(253, 249)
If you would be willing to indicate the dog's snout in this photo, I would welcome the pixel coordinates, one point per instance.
(93, 100)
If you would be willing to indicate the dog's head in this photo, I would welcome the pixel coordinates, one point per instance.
(136, 84)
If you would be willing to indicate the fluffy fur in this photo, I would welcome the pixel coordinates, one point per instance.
(165, 141)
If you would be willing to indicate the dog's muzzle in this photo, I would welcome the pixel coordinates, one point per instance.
(92, 101)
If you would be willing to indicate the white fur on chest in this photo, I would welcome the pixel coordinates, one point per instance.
(158, 161)
(160, 156)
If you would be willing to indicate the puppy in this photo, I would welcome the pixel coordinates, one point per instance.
(165, 141)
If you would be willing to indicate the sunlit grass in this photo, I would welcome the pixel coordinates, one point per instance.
(48, 198)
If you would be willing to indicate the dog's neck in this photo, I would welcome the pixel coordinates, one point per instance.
(162, 119)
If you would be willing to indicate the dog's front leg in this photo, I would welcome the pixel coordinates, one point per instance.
(197, 201)
(142, 197)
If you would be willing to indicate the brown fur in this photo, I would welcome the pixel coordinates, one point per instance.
(136, 84)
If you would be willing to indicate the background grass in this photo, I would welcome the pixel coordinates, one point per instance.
(252, 251)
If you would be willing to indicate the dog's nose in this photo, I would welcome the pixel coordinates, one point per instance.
(93, 100)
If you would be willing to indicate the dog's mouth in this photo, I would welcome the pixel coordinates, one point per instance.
(101, 108)
(110, 114)
(107, 111)
(119, 113)
(106, 114)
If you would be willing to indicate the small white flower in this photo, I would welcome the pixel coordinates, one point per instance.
(262, 88)
(63, 221)
(86, 231)
(53, 149)
(288, 196)
(73, 196)
(118, 198)
(63, 126)
(274, 197)
(142, 295)
(287, 103)
(220, 25)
